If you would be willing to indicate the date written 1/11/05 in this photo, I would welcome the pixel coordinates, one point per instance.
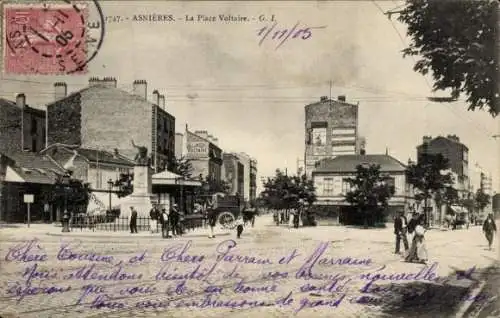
(280, 35)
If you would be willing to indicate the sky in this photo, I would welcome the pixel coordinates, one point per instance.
(217, 77)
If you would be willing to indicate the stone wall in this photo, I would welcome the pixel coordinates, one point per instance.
(65, 121)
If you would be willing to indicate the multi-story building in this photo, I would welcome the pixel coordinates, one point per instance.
(331, 129)
(253, 180)
(330, 179)
(203, 152)
(233, 173)
(245, 161)
(22, 128)
(457, 154)
(101, 116)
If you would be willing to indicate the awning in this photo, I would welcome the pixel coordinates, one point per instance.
(170, 178)
(99, 202)
(458, 209)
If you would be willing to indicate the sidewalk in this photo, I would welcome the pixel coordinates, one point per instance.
(56, 230)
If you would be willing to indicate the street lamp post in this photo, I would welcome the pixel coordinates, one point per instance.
(110, 188)
(65, 220)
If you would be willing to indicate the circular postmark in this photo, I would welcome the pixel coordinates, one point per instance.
(53, 38)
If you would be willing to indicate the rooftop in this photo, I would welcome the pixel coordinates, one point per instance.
(348, 163)
(33, 167)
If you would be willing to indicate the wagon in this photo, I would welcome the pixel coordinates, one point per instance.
(227, 208)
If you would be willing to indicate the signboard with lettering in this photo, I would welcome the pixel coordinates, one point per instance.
(197, 149)
(29, 198)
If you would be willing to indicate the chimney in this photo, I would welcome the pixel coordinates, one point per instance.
(109, 82)
(93, 81)
(426, 139)
(156, 97)
(21, 100)
(60, 90)
(162, 101)
(341, 98)
(141, 89)
(323, 98)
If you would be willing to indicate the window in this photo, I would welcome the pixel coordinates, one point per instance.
(466, 155)
(346, 186)
(391, 182)
(328, 186)
(33, 145)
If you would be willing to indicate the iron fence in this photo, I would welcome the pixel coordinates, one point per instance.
(116, 224)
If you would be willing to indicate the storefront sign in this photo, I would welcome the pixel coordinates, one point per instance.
(198, 148)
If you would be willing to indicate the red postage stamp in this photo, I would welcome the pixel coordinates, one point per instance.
(45, 40)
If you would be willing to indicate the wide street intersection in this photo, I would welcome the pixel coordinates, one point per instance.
(152, 270)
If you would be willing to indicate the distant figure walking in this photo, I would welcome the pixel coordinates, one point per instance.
(489, 229)
(239, 227)
(212, 218)
(400, 229)
(418, 250)
(133, 220)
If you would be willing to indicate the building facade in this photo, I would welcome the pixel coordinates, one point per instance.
(101, 116)
(253, 180)
(245, 161)
(233, 173)
(331, 129)
(330, 180)
(457, 154)
(204, 154)
(22, 128)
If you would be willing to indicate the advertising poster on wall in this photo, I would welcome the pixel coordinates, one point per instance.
(319, 136)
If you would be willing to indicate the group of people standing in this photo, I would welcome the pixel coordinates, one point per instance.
(170, 221)
(417, 252)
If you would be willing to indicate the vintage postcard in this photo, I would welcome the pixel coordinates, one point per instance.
(249, 158)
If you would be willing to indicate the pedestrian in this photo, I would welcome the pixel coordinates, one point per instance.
(154, 215)
(400, 230)
(133, 220)
(174, 219)
(418, 250)
(212, 219)
(489, 229)
(239, 226)
(164, 223)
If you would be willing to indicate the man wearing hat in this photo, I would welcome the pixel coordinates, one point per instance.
(174, 219)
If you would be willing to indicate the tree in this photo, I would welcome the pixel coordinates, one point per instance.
(481, 199)
(284, 192)
(429, 176)
(182, 167)
(456, 41)
(370, 191)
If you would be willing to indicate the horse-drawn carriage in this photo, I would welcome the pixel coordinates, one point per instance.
(227, 207)
(457, 217)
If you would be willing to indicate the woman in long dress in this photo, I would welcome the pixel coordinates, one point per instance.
(418, 250)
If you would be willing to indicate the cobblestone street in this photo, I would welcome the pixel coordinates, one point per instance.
(162, 290)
